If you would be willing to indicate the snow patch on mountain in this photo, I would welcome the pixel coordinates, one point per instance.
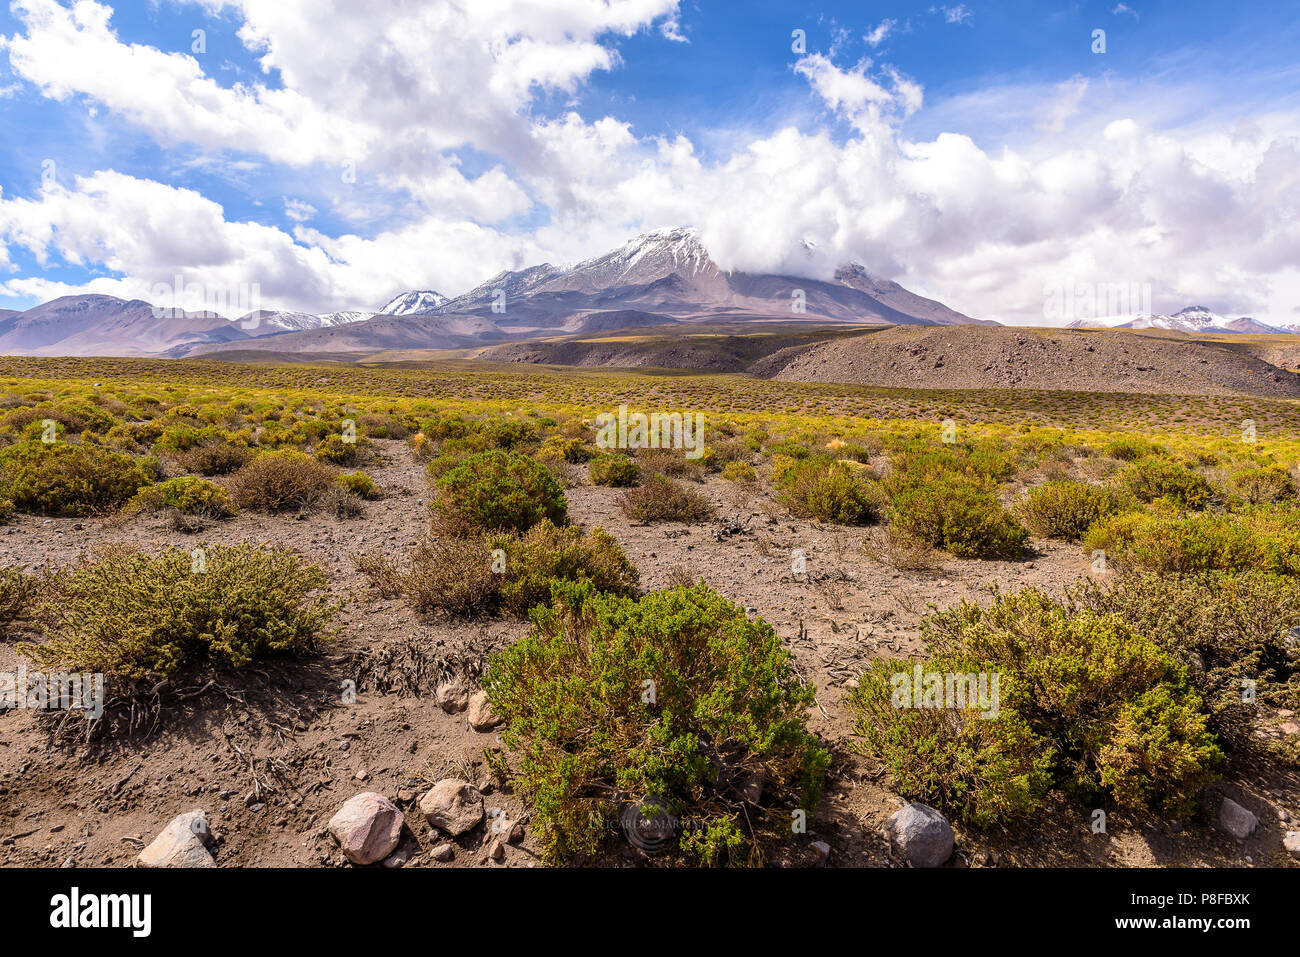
(1196, 320)
(414, 303)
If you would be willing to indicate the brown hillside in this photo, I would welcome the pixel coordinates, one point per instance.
(985, 357)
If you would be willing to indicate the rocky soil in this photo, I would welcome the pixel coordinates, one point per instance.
(987, 357)
(277, 758)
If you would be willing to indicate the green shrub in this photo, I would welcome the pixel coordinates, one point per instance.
(19, 592)
(188, 495)
(1150, 479)
(545, 554)
(678, 697)
(138, 617)
(613, 469)
(1263, 485)
(1222, 628)
(791, 450)
(187, 438)
(497, 491)
(660, 499)
(1130, 448)
(982, 770)
(829, 491)
(334, 450)
(739, 472)
(961, 516)
(1089, 704)
(359, 484)
(219, 458)
(502, 433)
(73, 480)
(920, 463)
(275, 481)
(669, 463)
(1067, 509)
(464, 577)
(573, 451)
(447, 427)
(1201, 542)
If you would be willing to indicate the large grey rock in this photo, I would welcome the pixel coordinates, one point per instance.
(453, 805)
(368, 827)
(1236, 820)
(921, 834)
(1292, 843)
(182, 843)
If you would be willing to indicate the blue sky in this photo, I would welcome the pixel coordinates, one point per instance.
(980, 152)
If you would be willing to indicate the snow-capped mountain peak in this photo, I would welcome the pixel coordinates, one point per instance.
(413, 303)
(642, 259)
(268, 321)
(1199, 317)
(1193, 319)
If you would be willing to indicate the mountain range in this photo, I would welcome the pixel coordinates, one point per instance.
(1197, 320)
(658, 279)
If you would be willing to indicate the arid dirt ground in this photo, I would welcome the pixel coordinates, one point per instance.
(270, 759)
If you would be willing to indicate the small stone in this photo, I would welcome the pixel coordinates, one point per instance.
(1236, 820)
(182, 843)
(480, 714)
(367, 827)
(443, 852)
(1291, 841)
(921, 834)
(452, 696)
(453, 805)
(497, 850)
(1283, 815)
(362, 775)
(516, 833)
(821, 852)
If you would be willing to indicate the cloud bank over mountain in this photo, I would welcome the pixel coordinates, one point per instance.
(472, 118)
